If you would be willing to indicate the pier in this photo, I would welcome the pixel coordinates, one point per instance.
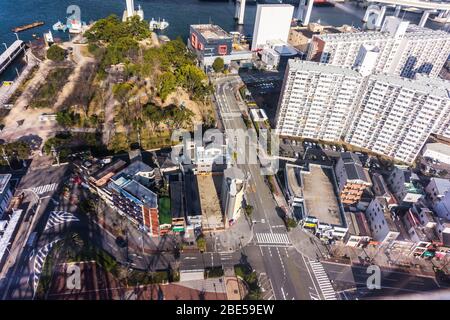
(10, 54)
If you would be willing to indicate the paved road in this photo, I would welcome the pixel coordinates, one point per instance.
(45, 183)
(393, 283)
(270, 253)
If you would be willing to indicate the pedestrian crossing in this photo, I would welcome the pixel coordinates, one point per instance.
(59, 217)
(273, 238)
(323, 281)
(45, 188)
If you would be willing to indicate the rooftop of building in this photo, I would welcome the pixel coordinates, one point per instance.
(442, 185)
(319, 193)
(211, 31)
(293, 175)
(176, 199)
(136, 191)
(424, 84)
(209, 187)
(300, 65)
(134, 168)
(316, 29)
(354, 168)
(413, 32)
(111, 168)
(4, 180)
(439, 147)
(357, 224)
(387, 214)
(191, 193)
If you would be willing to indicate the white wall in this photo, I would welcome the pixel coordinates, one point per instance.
(272, 22)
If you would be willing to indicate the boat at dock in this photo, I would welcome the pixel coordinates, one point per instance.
(75, 26)
(28, 26)
(158, 25)
(59, 26)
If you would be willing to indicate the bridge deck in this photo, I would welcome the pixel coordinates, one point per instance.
(10, 54)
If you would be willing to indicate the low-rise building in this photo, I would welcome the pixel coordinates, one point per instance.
(320, 211)
(177, 206)
(382, 226)
(352, 178)
(380, 188)
(232, 193)
(5, 193)
(300, 37)
(442, 207)
(437, 151)
(358, 229)
(405, 185)
(210, 41)
(436, 189)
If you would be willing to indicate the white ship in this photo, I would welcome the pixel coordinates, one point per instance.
(158, 25)
(74, 25)
(59, 26)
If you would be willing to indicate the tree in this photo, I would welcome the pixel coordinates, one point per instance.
(167, 83)
(56, 53)
(201, 243)
(67, 118)
(154, 115)
(121, 91)
(218, 65)
(249, 210)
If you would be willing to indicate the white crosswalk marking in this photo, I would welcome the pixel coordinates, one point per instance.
(273, 238)
(323, 281)
(45, 188)
(59, 217)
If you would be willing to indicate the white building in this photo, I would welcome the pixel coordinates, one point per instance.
(381, 224)
(317, 100)
(386, 114)
(232, 193)
(437, 151)
(395, 116)
(403, 49)
(273, 22)
(130, 11)
(437, 188)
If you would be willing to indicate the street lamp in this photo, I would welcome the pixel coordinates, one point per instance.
(6, 46)
(17, 35)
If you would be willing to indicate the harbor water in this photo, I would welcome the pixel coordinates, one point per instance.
(179, 13)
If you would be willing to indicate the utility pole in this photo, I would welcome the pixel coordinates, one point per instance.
(55, 154)
(6, 158)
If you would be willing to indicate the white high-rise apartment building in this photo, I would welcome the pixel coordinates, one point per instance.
(387, 114)
(396, 115)
(273, 22)
(317, 100)
(403, 49)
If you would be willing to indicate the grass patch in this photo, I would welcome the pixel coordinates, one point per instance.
(164, 211)
(47, 94)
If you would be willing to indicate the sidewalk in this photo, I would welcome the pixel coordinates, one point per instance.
(378, 256)
(232, 239)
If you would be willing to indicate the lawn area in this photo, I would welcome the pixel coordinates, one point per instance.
(48, 93)
(164, 211)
